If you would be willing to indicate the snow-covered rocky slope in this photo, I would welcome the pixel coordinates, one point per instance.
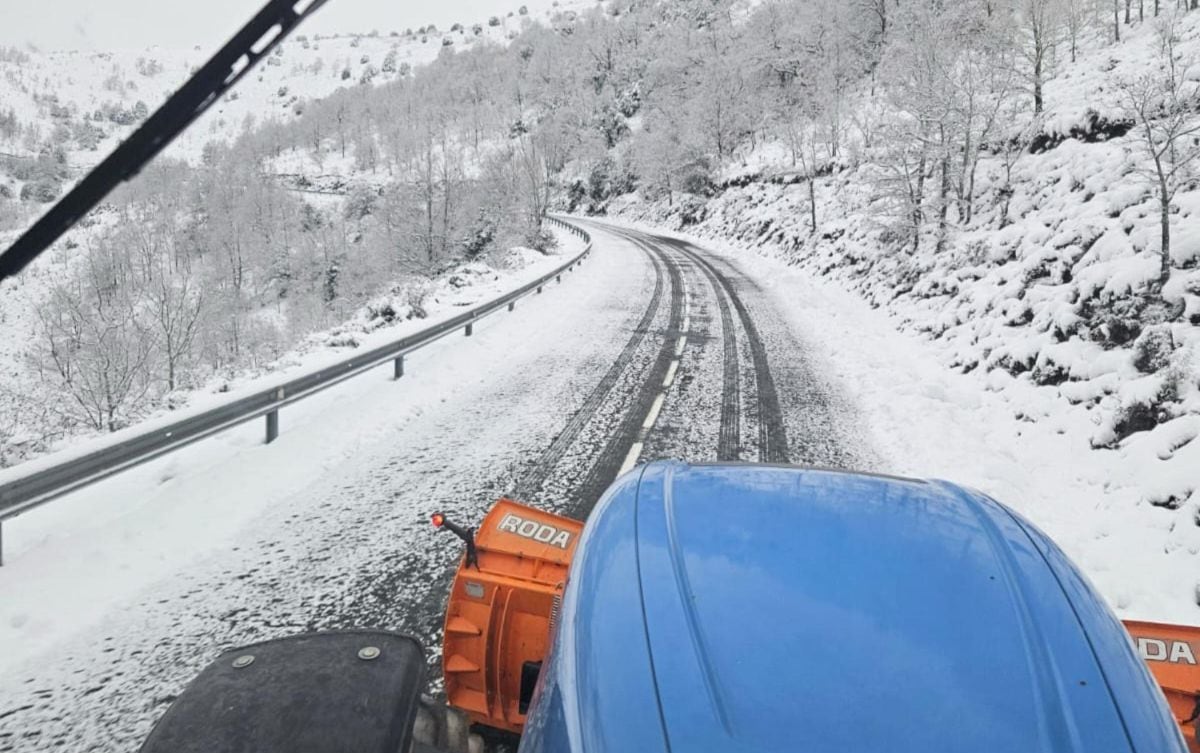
(87, 102)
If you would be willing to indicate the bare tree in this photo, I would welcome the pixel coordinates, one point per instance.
(1163, 104)
(1075, 15)
(1013, 146)
(172, 301)
(1040, 29)
(808, 159)
(982, 86)
(93, 346)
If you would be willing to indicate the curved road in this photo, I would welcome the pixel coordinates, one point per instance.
(655, 349)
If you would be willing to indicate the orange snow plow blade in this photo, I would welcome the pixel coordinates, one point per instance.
(1172, 652)
(501, 610)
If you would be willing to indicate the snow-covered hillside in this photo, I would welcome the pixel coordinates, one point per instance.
(86, 102)
(299, 262)
(1045, 295)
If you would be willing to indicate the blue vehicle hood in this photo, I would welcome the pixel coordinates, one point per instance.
(757, 608)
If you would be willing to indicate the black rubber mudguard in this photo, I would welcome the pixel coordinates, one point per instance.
(317, 693)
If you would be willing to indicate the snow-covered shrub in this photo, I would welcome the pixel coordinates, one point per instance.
(382, 310)
(415, 296)
(692, 210)
(1113, 323)
(342, 340)
(360, 201)
(43, 191)
(87, 136)
(481, 235)
(1153, 349)
(1134, 417)
(542, 240)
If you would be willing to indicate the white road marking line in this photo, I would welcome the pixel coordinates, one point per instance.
(635, 451)
(631, 459)
(671, 373)
(655, 409)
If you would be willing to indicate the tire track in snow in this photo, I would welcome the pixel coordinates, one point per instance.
(639, 415)
(730, 437)
(532, 481)
(773, 441)
(729, 434)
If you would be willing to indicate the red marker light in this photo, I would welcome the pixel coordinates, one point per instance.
(438, 519)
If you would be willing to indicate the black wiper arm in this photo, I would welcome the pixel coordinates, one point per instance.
(256, 39)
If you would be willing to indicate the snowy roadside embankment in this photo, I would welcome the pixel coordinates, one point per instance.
(1052, 308)
(406, 308)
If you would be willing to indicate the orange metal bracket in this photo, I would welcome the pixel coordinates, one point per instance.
(1172, 653)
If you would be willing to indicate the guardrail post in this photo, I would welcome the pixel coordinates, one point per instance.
(512, 305)
(470, 328)
(272, 426)
(398, 367)
(539, 288)
(558, 278)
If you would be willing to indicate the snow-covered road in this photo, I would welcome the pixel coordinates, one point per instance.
(653, 349)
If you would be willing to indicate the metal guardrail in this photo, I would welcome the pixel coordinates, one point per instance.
(46, 483)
